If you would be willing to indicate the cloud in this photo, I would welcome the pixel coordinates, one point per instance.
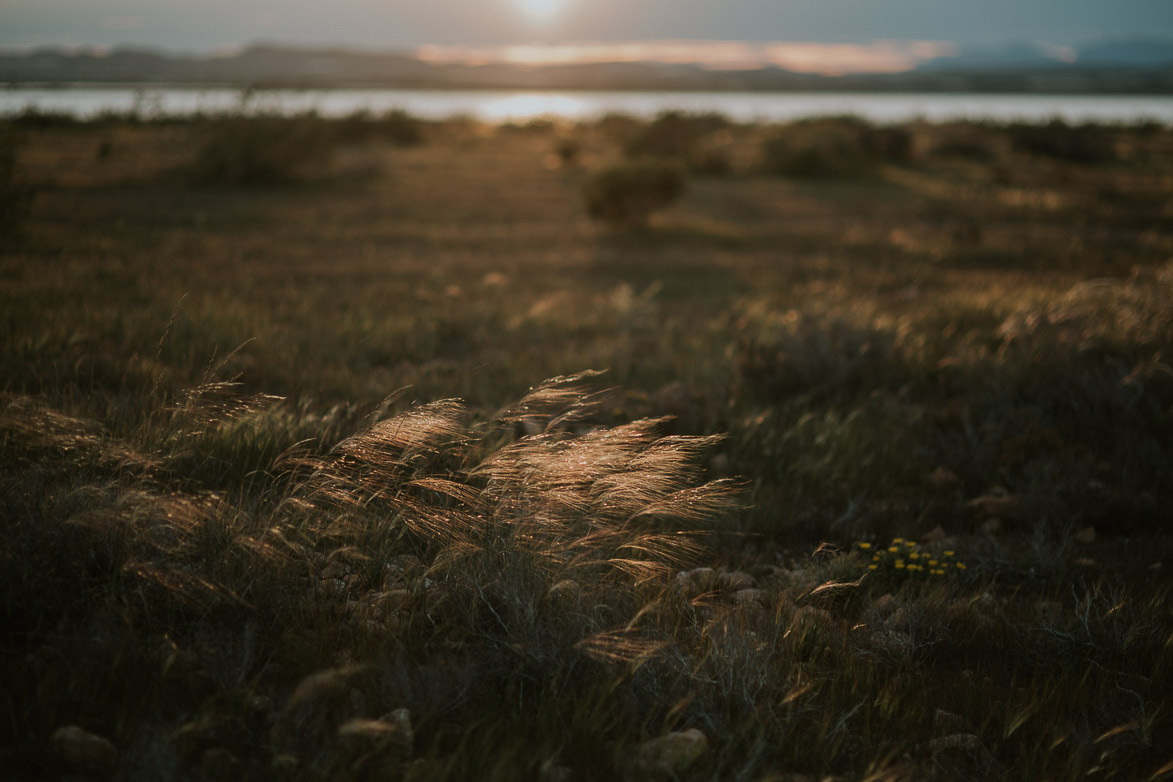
(830, 59)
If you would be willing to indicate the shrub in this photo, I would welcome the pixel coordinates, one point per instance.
(567, 150)
(675, 134)
(965, 141)
(400, 128)
(627, 193)
(834, 147)
(395, 127)
(1088, 143)
(263, 150)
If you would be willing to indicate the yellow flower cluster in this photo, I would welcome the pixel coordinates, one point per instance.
(907, 557)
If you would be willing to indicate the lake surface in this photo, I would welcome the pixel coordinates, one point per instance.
(520, 105)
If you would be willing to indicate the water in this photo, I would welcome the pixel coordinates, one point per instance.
(521, 105)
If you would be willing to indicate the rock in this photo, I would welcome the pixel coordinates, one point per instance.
(884, 605)
(701, 580)
(935, 535)
(735, 580)
(83, 749)
(991, 526)
(672, 754)
(963, 741)
(691, 583)
(943, 479)
(755, 596)
(337, 569)
(1003, 506)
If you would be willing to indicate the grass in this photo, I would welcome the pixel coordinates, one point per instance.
(284, 493)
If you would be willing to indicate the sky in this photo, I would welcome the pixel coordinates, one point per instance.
(200, 26)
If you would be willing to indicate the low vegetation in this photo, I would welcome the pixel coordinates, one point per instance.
(627, 193)
(876, 484)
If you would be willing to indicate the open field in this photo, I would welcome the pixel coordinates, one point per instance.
(244, 535)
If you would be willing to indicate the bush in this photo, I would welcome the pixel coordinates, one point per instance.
(1087, 143)
(627, 193)
(683, 137)
(263, 150)
(964, 141)
(834, 147)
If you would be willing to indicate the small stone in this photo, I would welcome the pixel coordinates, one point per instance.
(935, 535)
(672, 754)
(83, 749)
(963, 741)
(735, 580)
(335, 570)
(690, 583)
(885, 604)
(1087, 535)
(943, 479)
(757, 596)
(1007, 506)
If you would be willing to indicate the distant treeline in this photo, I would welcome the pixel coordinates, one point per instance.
(272, 66)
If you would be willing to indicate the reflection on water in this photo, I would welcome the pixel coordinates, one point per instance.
(506, 105)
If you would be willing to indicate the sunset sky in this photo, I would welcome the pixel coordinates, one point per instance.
(892, 31)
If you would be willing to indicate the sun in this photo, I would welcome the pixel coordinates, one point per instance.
(539, 9)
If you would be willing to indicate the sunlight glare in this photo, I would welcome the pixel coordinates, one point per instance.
(539, 9)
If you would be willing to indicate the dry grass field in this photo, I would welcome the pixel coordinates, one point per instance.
(304, 475)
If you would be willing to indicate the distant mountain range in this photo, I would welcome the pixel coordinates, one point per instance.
(1120, 66)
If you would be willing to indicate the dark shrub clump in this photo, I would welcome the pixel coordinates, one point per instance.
(266, 150)
(834, 147)
(627, 193)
